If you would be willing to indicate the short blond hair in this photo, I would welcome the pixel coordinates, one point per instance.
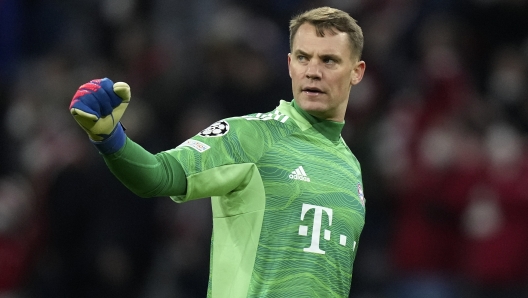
(327, 18)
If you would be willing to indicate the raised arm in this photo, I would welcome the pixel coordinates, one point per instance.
(98, 106)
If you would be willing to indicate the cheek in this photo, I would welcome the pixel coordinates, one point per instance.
(341, 83)
(346, 81)
(295, 75)
(294, 71)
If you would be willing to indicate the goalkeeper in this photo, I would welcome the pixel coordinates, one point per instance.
(286, 191)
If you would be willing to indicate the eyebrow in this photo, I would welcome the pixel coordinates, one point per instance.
(324, 56)
(331, 56)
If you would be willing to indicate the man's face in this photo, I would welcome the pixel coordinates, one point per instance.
(323, 70)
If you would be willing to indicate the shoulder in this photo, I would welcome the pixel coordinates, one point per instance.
(351, 156)
(274, 116)
(257, 128)
(258, 122)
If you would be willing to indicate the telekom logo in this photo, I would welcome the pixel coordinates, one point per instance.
(319, 211)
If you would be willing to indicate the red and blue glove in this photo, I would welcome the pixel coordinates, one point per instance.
(97, 106)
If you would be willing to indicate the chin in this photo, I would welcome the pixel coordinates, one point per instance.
(312, 105)
(316, 110)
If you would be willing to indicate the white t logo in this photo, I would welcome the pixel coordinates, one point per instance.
(316, 229)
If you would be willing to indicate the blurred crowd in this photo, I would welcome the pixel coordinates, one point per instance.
(439, 124)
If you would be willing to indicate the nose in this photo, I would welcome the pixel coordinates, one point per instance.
(313, 72)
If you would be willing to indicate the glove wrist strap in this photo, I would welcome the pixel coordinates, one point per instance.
(113, 143)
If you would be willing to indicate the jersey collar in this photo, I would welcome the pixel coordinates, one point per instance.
(330, 129)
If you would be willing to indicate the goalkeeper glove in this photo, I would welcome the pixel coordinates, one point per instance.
(97, 107)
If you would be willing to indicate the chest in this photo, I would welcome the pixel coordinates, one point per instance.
(317, 162)
(314, 195)
(306, 170)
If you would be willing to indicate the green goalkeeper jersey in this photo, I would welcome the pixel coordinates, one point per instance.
(287, 199)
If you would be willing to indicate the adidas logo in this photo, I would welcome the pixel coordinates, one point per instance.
(299, 174)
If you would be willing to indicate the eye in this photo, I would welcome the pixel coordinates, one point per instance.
(301, 58)
(329, 61)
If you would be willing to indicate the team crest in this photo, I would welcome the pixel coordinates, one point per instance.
(361, 194)
(217, 129)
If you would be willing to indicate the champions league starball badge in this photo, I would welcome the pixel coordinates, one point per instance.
(217, 129)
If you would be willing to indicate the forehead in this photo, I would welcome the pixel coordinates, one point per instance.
(333, 42)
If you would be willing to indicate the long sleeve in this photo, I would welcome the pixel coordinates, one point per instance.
(147, 174)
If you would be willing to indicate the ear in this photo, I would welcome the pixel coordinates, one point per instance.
(357, 73)
(289, 64)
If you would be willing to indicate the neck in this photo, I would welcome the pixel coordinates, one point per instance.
(329, 128)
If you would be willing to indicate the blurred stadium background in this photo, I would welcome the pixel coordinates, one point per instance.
(439, 123)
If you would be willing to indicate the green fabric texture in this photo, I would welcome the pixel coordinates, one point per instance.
(286, 195)
(145, 174)
(236, 227)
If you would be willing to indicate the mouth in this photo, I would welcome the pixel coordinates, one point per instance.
(312, 90)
